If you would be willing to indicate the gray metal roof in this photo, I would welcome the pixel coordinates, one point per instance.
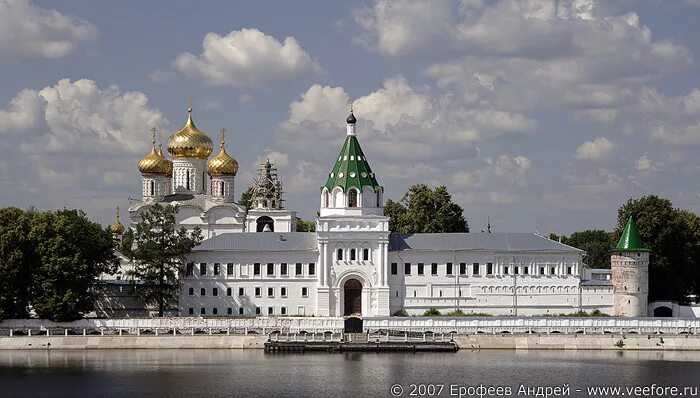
(261, 241)
(498, 242)
(596, 282)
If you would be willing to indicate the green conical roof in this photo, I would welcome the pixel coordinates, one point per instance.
(351, 169)
(630, 241)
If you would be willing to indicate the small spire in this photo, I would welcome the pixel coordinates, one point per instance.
(268, 151)
(189, 103)
(117, 208)
(153, 134)
(488, 223)
(223, 137)
(160, 143)
(351, 118)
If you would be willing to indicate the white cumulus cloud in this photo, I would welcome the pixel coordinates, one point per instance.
(247, 57)
(597, 149)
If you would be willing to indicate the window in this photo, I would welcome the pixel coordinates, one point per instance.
(153, 188)
(339, 254)
(365, 254)
(241, 291)
(256, 269)
(257, 291)
(462, 268)
(312, 268)
(517, 270)
(203, 269)
(304, 291)
(352, 254)
(407, 268)
(191, 291)
(298, 271)
(270, 292)
(270, 310)
(433, 269)
(190, 311)
(283, 310)
(217, 269)
(301, 310)
(568, 270)
(229, 291)
(203, 311)
(215, 291)
(449, 269)
(421, 268)
(489, 268)
(215, 311)
(240, 311)
(352, 198)
(325, 199)
(257, 310)
(202, 292)
(506, 270)
(229, 269)
(541, 270)
(270, 268)
(394, 268)
(475, 269)
(526, 270)
(552, 270)
(187, 180)
(190, 269)
(283, 269)
(283, 291)
(229, 311)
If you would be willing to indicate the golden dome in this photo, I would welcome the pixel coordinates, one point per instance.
(190, 142)
(223, 163)
(117, 227)
(155, 162)
(169, 171)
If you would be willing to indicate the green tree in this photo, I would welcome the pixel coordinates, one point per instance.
(424, 210)
(159, 255)
(16, 259)
(125, 247)
(672, 235)
(70, 252)
(306, 226)
(246, 198)
(596, 243)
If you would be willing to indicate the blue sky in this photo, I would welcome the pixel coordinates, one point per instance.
(544, 115)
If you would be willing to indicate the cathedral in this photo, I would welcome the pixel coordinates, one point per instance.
(252, 262)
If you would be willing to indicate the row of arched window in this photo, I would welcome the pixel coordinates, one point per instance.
(352, 254)
(368, 198)
(531, 289)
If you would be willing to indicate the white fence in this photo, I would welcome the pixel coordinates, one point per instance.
(466, 325)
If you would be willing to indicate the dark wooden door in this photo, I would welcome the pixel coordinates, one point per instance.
(353, 297)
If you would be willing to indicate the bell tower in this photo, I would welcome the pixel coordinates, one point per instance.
(353, 236)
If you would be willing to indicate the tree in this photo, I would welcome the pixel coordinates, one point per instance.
(160, 252)
(306, 226)
(424, 210)
(596, 243)
(246, 198)
(16, 259)
(69, 253)
(125, 247)
(672, 235)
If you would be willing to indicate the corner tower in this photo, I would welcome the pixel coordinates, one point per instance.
(630, 273)
(353, 237)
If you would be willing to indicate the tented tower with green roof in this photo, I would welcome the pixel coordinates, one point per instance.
(630, 273)
(351, 187)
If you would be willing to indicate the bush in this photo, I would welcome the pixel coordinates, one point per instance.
(432, 312)
(401, 312)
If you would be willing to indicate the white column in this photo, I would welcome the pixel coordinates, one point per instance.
(322, 263)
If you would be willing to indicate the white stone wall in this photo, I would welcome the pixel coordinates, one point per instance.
(155, 186)
(244, 276)
(198, 177)
(284, 220)
(222, 188)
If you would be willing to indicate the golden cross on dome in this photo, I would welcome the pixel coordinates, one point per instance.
(117, 212)
(153, 131)
(160, 141)
(189, 102)
(223, 136)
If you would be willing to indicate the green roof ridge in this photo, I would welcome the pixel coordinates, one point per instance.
(350, 172)
(630, 241)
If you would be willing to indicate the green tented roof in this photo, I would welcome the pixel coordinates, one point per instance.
(630, 241)
(351, 168)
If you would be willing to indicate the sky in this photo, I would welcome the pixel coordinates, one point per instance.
(540, 115)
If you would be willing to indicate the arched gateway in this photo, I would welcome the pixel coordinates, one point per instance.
(352, 297)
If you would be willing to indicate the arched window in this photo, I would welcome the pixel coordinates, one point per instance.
(365, 254)
(153, 188)
(325, 199)
(265, 221)
(221, 186)
(379, 198)
(352, 198)
(187, 180)
(352, 254)
(339, 255)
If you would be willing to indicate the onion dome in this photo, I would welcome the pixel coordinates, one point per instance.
(154, 162)
(117, 227)
(351, 169)
(351, 119)
(190, 142)
(169, 172)
(223, 163)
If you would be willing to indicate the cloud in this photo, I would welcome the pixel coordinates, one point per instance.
(597, 149)
(34, 32)
(247, 57)
(23, 113)
(643, 163)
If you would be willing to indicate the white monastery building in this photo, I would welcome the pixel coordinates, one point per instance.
(253, 262)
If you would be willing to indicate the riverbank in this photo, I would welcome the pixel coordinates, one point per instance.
(464, 342)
